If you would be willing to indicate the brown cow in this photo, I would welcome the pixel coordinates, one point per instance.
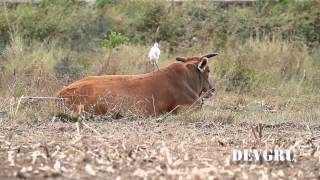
(178, 85)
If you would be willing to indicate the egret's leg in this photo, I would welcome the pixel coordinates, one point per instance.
(157, 65)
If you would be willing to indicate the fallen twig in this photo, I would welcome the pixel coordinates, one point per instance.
(45, 98)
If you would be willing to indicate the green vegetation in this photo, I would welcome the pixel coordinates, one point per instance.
(267, 77)
(114, 39)
(266, 49)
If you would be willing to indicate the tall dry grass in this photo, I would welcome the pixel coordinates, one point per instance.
(261, 54)
(126, 59)
(42, 68)
(27, 69)
(259, 67)
(265, 67)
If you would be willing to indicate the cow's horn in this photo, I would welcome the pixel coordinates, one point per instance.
(210, 55)
(182, 59)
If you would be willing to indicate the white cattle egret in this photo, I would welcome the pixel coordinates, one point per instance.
(154, 55)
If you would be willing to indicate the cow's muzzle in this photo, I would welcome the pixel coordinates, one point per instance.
(207, 94)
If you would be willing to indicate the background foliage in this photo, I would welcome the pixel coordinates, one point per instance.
(266, 48)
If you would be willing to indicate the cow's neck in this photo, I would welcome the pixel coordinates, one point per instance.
(195, 81)
(191, 76)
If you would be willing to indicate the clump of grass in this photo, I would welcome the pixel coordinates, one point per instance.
(261, 53)
(67, 70)
(21, 110)
(27, 68)
(264, 67)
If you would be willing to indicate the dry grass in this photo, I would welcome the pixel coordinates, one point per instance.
(264, 67)
(35, 143)
(147, 149)
(196, 145)
(256, 67)
(274, 78)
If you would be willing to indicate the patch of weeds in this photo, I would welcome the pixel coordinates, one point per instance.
(66, 69)
(240, 78)
(317, 99)
(223, 119)
(103, 3)
(85, 63)
(190, 117)
(114, 39)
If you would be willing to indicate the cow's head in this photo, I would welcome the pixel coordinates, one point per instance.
(199, 66)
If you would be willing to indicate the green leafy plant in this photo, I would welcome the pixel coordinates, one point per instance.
(114, 39)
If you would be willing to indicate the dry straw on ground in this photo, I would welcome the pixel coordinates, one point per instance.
(196, 145)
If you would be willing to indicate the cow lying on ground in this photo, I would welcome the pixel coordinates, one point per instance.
(179, 85)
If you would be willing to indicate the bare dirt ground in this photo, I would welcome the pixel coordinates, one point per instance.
(191, 146)
(153, 150)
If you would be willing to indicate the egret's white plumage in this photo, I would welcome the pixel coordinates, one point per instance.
(154, 55)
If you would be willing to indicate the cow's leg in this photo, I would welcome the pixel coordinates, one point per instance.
(192, 103)
(157, 65)
(196, 105)
(186, 109)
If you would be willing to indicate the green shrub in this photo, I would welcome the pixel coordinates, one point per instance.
(150, 17)
(74, 25)
(114, 39)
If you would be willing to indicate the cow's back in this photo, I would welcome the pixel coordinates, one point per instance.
(150, 93)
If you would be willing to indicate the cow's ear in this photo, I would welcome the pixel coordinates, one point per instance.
(203, 64)
(182, 59)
